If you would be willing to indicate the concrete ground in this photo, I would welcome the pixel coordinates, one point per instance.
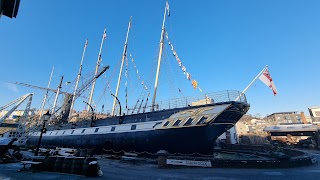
(115, 169)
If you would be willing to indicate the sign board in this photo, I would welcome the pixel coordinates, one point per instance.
(189, 163)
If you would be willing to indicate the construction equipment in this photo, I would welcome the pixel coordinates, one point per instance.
(20, 133)
(68, 99)
(18, 102)
(65, 108)
(38, 87)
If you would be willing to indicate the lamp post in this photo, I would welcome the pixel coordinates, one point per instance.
(46, 117)
(92, 113)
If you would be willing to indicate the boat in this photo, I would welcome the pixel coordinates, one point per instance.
(187, 125)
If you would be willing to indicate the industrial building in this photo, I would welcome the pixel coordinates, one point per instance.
(292, 117)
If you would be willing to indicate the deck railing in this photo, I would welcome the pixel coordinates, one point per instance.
(206, 98)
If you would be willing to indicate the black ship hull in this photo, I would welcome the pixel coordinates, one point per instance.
(153, 135)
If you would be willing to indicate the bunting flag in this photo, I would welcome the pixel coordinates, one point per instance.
(86, 44)
(126, 84)
(194, 84)
(188, 76)
(183, 68)
(167, 7)
(126, 98)
(108, 85)
(137, 72)
(105, 34)
(267, 80)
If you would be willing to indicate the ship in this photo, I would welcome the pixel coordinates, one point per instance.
(187, 125)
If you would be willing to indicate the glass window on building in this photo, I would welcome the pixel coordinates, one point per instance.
(279, 120)
(298, 119)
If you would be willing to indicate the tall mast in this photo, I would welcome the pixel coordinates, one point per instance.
(78, 78)
(57, 95)
(104, 36)
(46, 95)
(124, 54)
(159, 57)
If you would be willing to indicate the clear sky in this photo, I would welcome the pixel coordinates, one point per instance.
(223, 44)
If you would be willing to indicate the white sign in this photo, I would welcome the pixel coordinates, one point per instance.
(189, 163)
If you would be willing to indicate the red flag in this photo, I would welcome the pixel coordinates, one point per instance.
(188, 76)
(267, 80)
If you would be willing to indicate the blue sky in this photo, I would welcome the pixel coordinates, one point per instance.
(223, 44)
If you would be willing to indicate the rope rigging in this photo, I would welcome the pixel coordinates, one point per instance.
(170, 78)
(145, 93)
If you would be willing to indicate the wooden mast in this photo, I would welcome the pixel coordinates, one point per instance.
(45, 95)
(124, 54)
(160, 56)
(78, 79)
(104, 36)
(56, 98)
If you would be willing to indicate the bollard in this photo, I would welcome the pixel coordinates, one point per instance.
(86, 167)
(162, 158)
(67, 163)
(49, 164)
(58, 164)
(77, 165)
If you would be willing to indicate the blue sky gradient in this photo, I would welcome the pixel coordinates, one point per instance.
(223, 44)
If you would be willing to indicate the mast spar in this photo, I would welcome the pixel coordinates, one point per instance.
(45, 95)
(78, 79)
(57, 95)
(104, 36)
(160, 56)
(124, 54)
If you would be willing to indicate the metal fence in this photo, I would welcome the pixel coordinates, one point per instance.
(206, 98)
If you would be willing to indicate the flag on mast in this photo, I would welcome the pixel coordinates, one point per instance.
(105, 34)
(267, 80)
(86, 44)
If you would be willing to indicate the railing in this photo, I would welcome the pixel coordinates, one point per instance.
(207, 98)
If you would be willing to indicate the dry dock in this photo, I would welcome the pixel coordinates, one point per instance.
(117, 169)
